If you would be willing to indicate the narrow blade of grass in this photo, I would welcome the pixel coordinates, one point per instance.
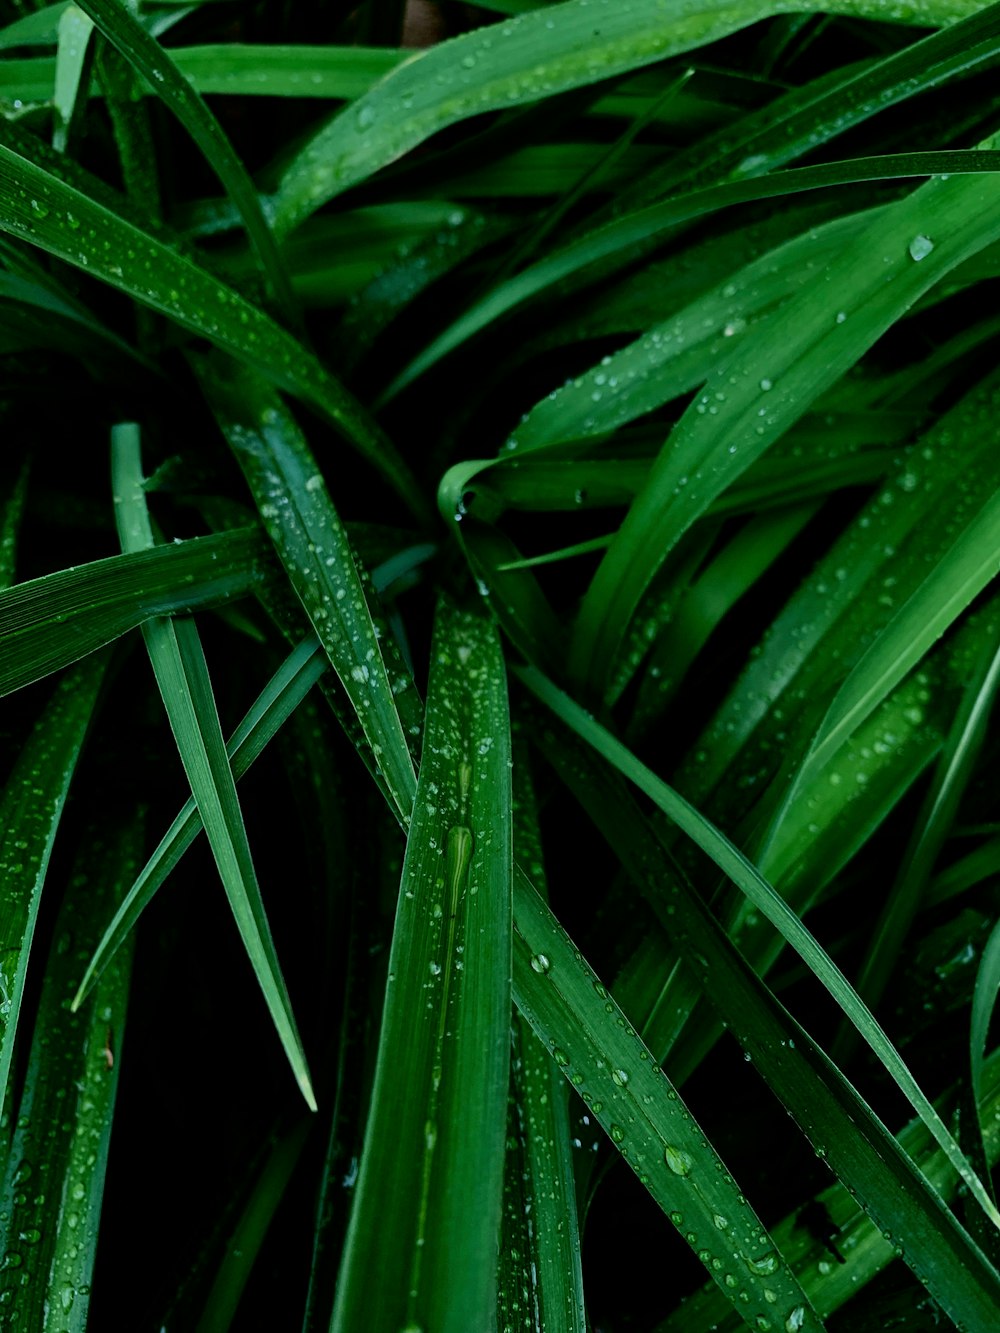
(771, 382)
(679, 353)
(416, 1253)
(932, 827)
(250, 1232)
(74, 56)
(877, 562)
(835, 1269)
(11, 518)
(965, 569)
(299, 517)
(641, 229)
(63, 1126)
(277, 701)
(182, 676)
(30, 811)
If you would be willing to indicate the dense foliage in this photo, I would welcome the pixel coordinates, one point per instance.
(562, 462)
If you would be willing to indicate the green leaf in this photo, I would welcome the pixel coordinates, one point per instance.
(248, 1236)
(11, 518)
(39, 28)
(619, 240)
(862, 1249)
(291, 495)
(182, 676)
(874, 565)
(30, 812)
(285, 71)
(73, 60)
(416, 1253)
(932, 827)
(677, 354)
(52, 621)
(54, 1179)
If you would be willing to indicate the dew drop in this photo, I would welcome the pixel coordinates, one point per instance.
(540, 963)
(678, 1160)
(920, 247)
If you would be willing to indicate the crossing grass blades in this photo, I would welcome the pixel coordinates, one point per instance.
(499, 525)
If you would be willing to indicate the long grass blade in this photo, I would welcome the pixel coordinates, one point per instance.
(836, 1264)
(841, 1126)
(647, 226)
(277, 701)
(933, 825)
(182, 676)
(291, 495)
(964, 570)
(54, 1178)
(770, 383)
(417, 1254)
(31, 808)
(73, 61)
(540, 1261)
(250, 1232)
